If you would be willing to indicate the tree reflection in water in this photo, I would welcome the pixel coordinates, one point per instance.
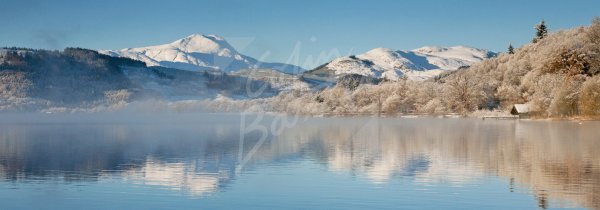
(557, 161)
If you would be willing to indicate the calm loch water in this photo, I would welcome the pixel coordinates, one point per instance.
(234, 161)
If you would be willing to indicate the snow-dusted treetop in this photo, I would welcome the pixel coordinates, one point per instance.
(419, 63)
(198, 52)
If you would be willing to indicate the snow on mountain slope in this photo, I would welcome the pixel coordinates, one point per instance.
(276, 79)
(198, 52)
(421, 63)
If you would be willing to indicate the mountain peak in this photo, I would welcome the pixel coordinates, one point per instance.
(200, 36)
(199, 52)
(211, 44)
(379, 51)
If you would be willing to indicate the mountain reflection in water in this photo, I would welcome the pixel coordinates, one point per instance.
(556, 162)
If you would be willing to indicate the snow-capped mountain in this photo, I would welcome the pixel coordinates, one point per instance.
(198, 52)
(415, 64)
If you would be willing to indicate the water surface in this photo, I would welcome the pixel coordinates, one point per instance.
(234, 161)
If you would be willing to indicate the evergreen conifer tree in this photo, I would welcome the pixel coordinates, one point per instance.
(541, 31)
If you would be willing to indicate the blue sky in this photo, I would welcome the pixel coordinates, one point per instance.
(275, 30)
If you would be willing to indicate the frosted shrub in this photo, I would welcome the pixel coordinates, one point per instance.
(565, 98)
(593, 32)
(362, 96)
(391, 104)
(589, 98)
(423, 93)
(433, 106)
(508, 95)
(542, 91)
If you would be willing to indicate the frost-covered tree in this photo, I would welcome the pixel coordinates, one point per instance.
(593, 35)
(508, 95)
(462, 92)
(541, 31)
(589, 99)
(594, 31)
(117, 96)
(566, 98)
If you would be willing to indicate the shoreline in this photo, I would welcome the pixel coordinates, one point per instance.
(133, 116)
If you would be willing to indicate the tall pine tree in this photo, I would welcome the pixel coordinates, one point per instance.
(541, 31)
(511, 50)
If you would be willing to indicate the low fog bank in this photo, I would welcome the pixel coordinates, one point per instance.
(122, 118)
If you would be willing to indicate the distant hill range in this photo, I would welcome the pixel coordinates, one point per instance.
(383, 63)
(199, 52)
(37, 79)
(211, 52)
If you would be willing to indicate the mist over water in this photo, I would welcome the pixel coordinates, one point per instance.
(234, 161)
